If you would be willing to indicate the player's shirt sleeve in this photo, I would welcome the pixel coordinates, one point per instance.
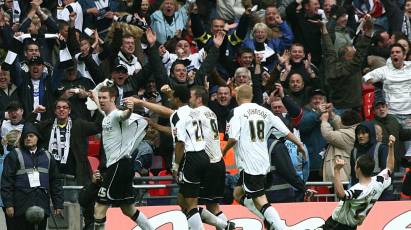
(353, 193)
(233, 127)
(279, 128)
(117, 115)
(384, 177)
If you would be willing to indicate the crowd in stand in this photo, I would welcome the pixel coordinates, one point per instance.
(306, 60)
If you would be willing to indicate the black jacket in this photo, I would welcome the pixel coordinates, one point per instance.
(22, 200)
(367, 148)
(80, 131)
(305, 32)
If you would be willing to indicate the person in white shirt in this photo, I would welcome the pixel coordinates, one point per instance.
(396, 80)
(121, 135)
(248, 131)
(15, 122)
(70, 7)
(212, 190)
(191, 165)
(357, 201)
(191, 160)
(182, 52)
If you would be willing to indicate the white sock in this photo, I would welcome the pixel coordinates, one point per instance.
(249, 203)
(209, 218)
(272, 216)
(194, 220)
(143, 222)
(222, 217)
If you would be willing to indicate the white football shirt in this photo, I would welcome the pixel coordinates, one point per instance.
(250, 126)
(121, 138)
(186, 127)
(359, 200)
(209, 124)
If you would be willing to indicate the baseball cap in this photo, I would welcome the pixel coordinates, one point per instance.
(35, 60)
(14, 105)
(317, 92)
(120, 68)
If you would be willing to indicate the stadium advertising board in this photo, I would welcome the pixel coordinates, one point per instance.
(394, 215)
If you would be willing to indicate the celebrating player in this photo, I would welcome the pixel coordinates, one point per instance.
(122, 133)
(357, 201)
(248, 131)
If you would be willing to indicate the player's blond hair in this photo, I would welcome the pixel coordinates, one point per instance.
(244, 93)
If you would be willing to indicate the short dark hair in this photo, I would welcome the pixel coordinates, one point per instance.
(350, 117)
(366, 164)
(243, 50)
(199, 91)
(297, 44)
(111, 90)
(30, 42)
(62, 24)
(62, 100)
(217, 18)
(182, 93)
(398, 45)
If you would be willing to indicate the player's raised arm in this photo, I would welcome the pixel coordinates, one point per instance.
(390, 157)
(338, 186)
(156, 108)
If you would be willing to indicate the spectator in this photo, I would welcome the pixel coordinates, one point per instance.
(65, 140)
(283, 184)
(300, 15)
(296, 61)
(390, 126)
(297, 89)
(182, 52)
(168, 20)
(344, 71)
(310, 130)
(396, 81)
(74, 87)
(33, 26)
(341, 34)
(339, 132)
(15, 120)
(72, 7)
(19, 193)
(381, 45)
(231, 41)
(262, 43)
(179, 74)
(126, 77)
(100, 14)
(222, 106)
(8, 91)
(36, 90)
(366, 143)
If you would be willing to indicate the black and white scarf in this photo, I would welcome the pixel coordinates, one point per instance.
(55, 141)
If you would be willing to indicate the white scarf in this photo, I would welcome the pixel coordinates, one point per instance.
(55, 141)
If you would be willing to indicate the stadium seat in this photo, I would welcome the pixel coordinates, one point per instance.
(161, 191)
(93, 147)
(368, 101)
